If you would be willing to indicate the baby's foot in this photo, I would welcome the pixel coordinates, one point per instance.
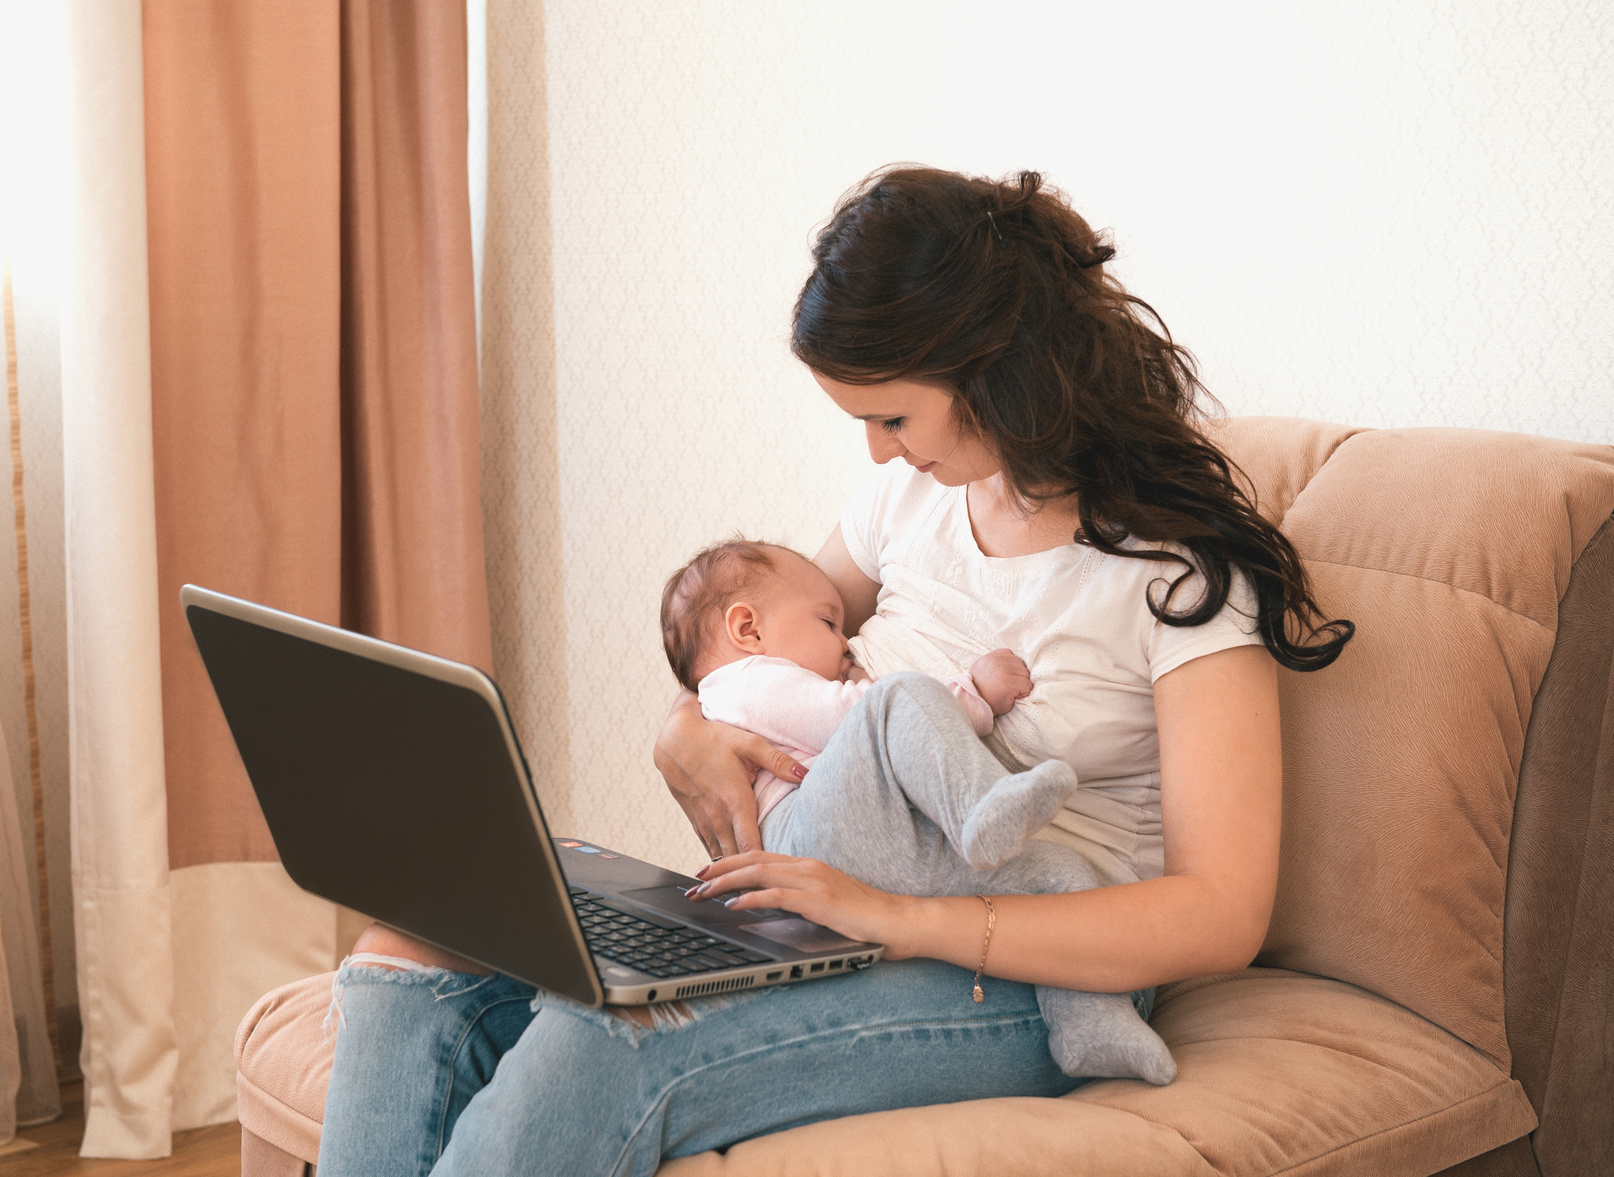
(1101, 1036)
(1012, 810)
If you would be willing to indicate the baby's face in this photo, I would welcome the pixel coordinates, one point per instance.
(801, 616)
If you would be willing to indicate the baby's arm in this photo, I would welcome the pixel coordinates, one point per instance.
(978, 709)
(990, 688)
(1000, 677)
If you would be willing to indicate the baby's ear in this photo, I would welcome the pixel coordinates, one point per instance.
(743, 624)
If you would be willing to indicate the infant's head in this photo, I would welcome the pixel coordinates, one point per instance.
(740, 598)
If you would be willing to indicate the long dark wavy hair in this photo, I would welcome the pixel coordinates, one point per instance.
(997, 291)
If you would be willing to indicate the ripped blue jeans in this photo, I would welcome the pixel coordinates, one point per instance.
(452, 1074)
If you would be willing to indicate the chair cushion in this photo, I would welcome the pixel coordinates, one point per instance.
(283, 1062)
(1450, 549)
(1278, 1073)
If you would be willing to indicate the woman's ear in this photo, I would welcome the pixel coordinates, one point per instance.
(743, 624)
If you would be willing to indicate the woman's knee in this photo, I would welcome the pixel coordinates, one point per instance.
(378, 940)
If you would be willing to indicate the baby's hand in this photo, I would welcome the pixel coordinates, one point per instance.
(1001, 678)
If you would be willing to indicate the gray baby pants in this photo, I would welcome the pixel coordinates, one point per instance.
(906, 798)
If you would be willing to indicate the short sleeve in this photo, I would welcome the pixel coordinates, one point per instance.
(883, 510)
(1170, 646)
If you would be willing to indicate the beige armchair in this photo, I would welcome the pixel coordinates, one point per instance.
(1436, 993)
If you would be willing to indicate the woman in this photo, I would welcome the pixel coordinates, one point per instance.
(1050, 484)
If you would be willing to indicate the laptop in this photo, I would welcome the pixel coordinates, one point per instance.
(393, 783)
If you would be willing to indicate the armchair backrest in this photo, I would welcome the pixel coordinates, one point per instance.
(1451, 550)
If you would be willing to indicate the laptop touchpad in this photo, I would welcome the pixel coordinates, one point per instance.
(798, 934)
(673, 901)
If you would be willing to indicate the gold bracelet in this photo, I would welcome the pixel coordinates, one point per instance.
(991, 922)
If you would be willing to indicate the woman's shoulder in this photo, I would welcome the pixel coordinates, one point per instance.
(1147, 580)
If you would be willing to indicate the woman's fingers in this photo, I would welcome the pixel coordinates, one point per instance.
(789, 900)
(709, 769)
(759, 755)
(739, 831)
(811, 889)
(744, 860)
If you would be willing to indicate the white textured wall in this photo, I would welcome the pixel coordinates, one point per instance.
(1387, 213)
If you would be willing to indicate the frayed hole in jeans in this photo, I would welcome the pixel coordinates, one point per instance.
(399, 966)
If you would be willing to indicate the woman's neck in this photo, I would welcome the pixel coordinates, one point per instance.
(1005, 525)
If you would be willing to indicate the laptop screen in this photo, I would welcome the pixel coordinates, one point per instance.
(394, 791)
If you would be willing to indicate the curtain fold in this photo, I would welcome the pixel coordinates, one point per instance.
(28, 1093)
(119, 804)
(413, 567)
(242, 185)
(28, 1039)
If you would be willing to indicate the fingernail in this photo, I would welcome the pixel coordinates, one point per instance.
(731, 902)
(701, 874)
(798, 772)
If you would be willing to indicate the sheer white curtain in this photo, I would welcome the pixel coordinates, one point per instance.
(28, 1065)
(28, 1093)
(82, 254)
(120, 834)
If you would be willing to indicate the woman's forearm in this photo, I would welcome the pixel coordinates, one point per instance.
(1107, 940)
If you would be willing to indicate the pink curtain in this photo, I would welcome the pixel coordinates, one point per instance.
(314, 399)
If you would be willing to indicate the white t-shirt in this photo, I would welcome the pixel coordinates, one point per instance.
(1078, 617)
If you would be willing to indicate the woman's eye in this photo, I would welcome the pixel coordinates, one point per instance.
(892, 424)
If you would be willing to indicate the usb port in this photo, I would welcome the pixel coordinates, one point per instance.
(833, 965)
(776, 974)
(818, 968)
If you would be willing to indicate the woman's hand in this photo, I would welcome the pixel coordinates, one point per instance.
(710, 768)
(814, 891)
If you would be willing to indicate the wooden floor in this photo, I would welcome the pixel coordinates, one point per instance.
(206, 1152)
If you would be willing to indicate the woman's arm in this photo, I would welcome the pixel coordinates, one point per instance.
(709, 767)
(1221, 798)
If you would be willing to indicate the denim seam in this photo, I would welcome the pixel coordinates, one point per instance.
(453, 1057)
(893, 1027)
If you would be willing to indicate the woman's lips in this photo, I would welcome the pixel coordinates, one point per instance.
(925, 469)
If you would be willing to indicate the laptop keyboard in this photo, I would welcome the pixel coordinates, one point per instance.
(661, 948)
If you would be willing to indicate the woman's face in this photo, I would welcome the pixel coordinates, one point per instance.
(913, 421)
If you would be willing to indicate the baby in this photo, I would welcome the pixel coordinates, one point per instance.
(755, 630)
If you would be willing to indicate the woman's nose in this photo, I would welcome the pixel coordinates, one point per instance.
(883, 446)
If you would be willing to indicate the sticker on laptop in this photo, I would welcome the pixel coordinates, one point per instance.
(581, 848)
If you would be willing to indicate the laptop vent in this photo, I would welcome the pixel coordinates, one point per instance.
(714, 987)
